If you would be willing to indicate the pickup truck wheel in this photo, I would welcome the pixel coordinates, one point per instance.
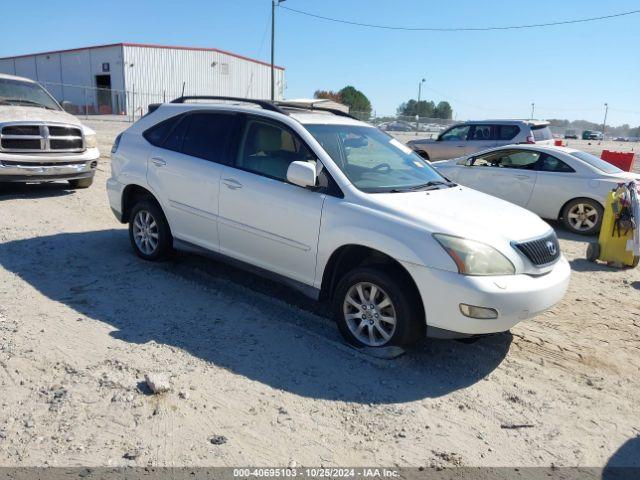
(81, 182)
(582, 216)
(375, 309)
(149, 231)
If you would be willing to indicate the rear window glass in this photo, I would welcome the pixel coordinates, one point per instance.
(507, 132)
(541, 133)
(207, 136)
(596, 162)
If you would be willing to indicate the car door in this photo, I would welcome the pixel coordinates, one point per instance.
(451, 143)
(185, 172)
(506, 174)
(264, 220)
(557, 182)
(480, 137)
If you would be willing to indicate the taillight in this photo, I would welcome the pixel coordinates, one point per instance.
(530, 139)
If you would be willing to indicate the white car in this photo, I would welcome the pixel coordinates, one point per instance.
(557, 183)
(39, 141)
(337, 209)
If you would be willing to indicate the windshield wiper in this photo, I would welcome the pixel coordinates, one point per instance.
(432, 185)
(21, 101)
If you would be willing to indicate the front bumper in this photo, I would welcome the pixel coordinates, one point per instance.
(48, 167)
(515, 297)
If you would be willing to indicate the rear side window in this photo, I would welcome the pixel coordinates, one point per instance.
(550, 163)
(157, 134)
(541, 133)
(174, 139)
(507, 132)
(206, 136)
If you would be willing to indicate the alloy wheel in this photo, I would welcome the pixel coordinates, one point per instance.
(145, 232)
(582, 216)
(369, 314)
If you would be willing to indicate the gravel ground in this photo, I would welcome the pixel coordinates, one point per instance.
(258, 375)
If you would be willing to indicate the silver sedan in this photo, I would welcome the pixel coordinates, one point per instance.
(557, 183)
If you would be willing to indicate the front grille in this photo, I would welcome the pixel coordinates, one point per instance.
(36, 138)
(541, 251)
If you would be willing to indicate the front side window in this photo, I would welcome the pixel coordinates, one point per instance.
(455, 134)
(25, 94)
(372, 161)
(268, 149)
(520, 159)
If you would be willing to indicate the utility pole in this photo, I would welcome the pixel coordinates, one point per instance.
(533, 109)
(274, 3)
(604, 123)
(418, 105)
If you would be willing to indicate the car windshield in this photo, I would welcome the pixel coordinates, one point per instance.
(25, 94)
(596, 162)
(373, 161)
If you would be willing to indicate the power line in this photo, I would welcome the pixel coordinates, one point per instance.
(463, 29)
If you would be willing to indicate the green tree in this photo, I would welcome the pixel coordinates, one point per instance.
(328, 94)
(356, 101)
(443, 110)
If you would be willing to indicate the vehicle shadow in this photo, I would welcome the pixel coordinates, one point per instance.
(565, 234)
(584, 265)
(236, 321)
(9, 191)
(624, 464)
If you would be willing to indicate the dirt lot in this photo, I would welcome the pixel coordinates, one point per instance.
(259, 375)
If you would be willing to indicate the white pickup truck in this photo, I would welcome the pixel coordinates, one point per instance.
(39, 141)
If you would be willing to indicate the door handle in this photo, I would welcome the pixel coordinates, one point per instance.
(158, 162)
(232, 183)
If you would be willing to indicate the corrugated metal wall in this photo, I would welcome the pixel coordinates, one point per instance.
(154, 72)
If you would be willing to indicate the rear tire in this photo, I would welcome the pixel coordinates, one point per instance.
(81, 183)
(582, 216)
(376, 309)
(149, 231)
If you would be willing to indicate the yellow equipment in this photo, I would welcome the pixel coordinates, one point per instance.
(613, 240)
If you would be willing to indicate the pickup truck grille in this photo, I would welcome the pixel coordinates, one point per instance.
(40, 138)
(541, 251)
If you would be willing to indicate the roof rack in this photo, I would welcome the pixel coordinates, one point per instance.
(266, 104)
(311, 106)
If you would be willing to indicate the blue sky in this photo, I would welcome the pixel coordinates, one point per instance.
(568, 71)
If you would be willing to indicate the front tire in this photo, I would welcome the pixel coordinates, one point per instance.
(582, 216)
(81, 183)
(375, 309)
(149, 231)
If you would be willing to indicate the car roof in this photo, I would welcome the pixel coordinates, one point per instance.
(302, 115)
(533, 123)
(14, 77)
(551, 149)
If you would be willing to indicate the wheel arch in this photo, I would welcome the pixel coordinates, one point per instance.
(347, 257)
(131, 194)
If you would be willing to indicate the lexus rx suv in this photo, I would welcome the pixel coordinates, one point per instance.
(39, 141)
(337, 209)
(471, 137)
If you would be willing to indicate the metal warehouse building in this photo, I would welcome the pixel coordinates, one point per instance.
(123, 78)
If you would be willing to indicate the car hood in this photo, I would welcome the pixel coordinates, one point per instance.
(36, 114)
(467, 213)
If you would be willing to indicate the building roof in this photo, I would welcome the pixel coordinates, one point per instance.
(146, 45)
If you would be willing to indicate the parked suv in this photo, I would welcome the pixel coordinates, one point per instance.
(39, 141)
(475, 136)
(337, 209)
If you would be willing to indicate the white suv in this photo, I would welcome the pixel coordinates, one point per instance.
(337, 209)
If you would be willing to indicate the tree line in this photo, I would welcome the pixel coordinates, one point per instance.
(360, 105)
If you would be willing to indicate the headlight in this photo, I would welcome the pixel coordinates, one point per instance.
(475, 258)
(90, 141)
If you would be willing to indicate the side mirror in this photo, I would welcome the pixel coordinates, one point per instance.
(302, 174)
